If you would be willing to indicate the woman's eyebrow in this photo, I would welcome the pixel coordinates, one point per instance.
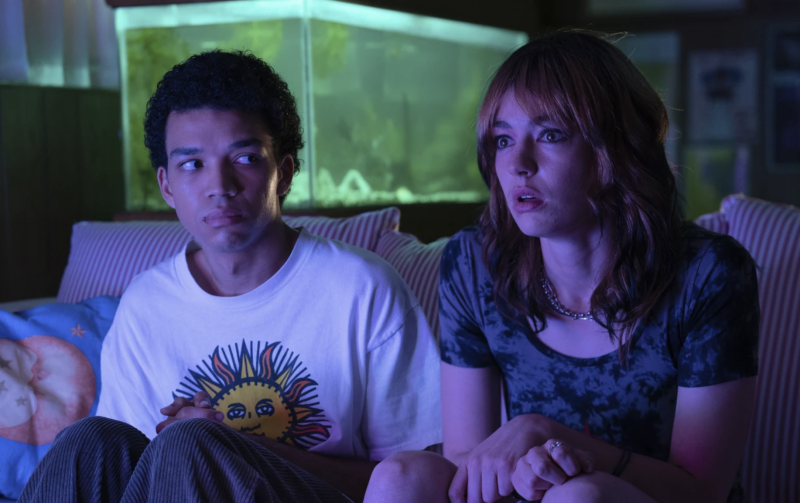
(541, 119)
(537, 121)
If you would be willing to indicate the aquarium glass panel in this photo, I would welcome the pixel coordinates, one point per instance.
(395, 116)
(388, 100)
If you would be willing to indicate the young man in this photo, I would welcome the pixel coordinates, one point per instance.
(292, 363)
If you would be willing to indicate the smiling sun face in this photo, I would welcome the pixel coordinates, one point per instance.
(269, 398)
(256, 407)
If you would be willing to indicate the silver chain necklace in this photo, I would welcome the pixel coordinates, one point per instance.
(551, 296)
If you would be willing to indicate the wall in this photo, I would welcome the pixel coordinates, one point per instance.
(746, 28)
(700, 31)
(60, 162)
(60, 153)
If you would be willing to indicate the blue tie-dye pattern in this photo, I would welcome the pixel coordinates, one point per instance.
(704, 331)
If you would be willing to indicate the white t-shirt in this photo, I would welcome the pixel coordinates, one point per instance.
(332, 353)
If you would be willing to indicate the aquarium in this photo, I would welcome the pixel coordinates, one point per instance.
(388, 99)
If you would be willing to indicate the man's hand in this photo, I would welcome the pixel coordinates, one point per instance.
(484, 475)
(181, 408)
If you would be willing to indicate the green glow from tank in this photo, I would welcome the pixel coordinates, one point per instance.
(388, 99)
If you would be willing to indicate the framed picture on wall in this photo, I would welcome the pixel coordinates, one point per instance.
(723, 96)
(783, 99)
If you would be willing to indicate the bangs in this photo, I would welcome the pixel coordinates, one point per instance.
(538, 95)
(544, 83)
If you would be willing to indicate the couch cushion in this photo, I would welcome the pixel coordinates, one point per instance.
(418, 265)
(49, 378)
(715, 222)
(105, 256)
(771, 233)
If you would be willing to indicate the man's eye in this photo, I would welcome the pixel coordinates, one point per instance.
(191, 165)
(247, 159)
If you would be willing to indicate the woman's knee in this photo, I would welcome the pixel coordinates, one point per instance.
(403, 475)
(414, 465)
(596, 487)
(581, 489)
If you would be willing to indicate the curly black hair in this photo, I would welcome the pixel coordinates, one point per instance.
(224, 80)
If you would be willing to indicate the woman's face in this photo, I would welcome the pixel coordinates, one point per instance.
(545, 171)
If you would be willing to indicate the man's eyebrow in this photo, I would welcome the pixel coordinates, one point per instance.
(245, 143)
(183, 151)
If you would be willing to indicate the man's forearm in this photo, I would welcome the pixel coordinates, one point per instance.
(349, 476)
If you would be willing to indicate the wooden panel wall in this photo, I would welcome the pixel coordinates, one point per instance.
(60, 162)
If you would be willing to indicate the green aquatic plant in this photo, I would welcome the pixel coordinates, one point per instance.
(329, 46)
(151, 52)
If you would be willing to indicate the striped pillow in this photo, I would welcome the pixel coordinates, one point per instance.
(771, 233)
(418, 265)
(105, 256)
(715, 222)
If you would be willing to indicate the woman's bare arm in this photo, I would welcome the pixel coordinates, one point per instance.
(708, 440)
(470, 408)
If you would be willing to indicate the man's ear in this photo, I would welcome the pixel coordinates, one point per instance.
(285, 175)
(163, 184)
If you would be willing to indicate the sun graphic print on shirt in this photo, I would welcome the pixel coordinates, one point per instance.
(272, 395)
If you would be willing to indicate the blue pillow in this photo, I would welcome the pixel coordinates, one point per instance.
(49, 378)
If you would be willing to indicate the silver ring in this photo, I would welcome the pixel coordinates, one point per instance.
(555, 444)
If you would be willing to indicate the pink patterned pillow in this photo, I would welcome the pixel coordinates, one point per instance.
(771, 233)
(418, 265)
(105, 256)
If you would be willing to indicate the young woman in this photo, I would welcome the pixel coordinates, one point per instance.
(624, 337)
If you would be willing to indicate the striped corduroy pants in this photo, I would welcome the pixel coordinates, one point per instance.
(100, 460)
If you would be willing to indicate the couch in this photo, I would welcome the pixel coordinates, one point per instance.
(105, 256)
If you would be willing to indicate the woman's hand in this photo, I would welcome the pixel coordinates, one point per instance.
(181, 408)
(484, 475)
(549, 465)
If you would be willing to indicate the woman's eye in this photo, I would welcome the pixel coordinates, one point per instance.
(503, 142)
(553, 136)
(247, 159)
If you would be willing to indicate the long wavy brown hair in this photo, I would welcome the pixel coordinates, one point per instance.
(584, 83)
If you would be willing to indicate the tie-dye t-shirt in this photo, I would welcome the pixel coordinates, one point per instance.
(704, 331)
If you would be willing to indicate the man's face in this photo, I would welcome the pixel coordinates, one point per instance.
(222, 177)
